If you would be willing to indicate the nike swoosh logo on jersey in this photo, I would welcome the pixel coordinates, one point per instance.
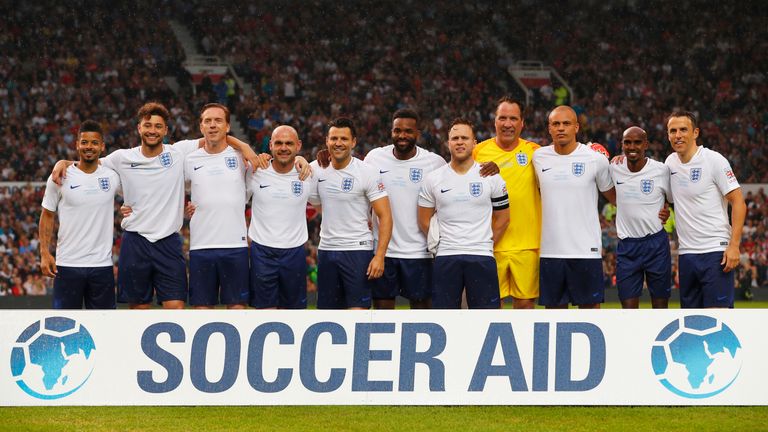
(618, 182)
(383, 172)
(197, 167)
(134, 164)
(673, 173)
(321, 180)
(74, 186)
(264, 186)
(444, 190)
(545, 169)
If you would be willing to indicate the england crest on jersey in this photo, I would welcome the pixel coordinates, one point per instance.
(522, 159)
(695, 174)
(475, 189)
(165, 159)
(230, 162)
(577, 168)
(297, 187)
(416, 174)
(646, 186)
(104, 183)
(347, 183)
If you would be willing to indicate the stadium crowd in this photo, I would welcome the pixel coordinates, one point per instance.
(377, 60)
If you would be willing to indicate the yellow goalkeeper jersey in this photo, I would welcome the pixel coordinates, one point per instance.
(524, 230)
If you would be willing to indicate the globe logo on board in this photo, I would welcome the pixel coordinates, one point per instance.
(53, 358)
(696, 356)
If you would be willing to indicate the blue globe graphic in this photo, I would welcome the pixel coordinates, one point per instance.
(53, 358)
(696, 356)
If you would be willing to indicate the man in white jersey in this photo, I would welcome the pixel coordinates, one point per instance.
(472, 213)
(152, 176)
(703, 184)
(643, 255)
(569, 175)
(218, 249)
(403, 166)
(278, 228)
(85, 203)
(347, 189)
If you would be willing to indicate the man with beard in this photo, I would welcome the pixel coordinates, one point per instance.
(403, 166)
(643, 255)
(85, 204)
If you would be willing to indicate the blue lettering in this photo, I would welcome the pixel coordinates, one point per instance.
(540, 376)
(200, 351)
(256, 358)
(168, 361)
(409, 356)
(307, 371)
(364, 355)
(512, 368)
(565, 332)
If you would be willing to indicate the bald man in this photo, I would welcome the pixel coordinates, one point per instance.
(569, 175)
(643, 255)
(278, 227)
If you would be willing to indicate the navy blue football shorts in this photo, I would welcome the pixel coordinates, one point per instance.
(576, 281)
(407, 277)
(341, 279)
(703, 283)
(218, 276)
(94, 286)
(645, 259)
(278, 277)
(475, 273)
(147, 268)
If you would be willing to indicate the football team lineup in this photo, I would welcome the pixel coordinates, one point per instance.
(503, 219)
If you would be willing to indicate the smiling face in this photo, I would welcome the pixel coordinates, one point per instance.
(634, 144)
(461, 141)
(284, 146)
(214, 125)
(405, 133)
(682, 135)
(152, 130)
(509, 124)
(340, 144)
(90, 145)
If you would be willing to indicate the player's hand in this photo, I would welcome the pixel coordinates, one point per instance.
(48, 265)
(618, 159)
(664, 214)
(302, 166)
(730, 258)
(488, 169)
(189, 210)
(59, 172)
(263, 161)
(375, 267)
(323, 158)
(201, 143)
(125, 210)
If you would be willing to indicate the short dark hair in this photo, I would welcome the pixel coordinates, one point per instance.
(343, 122)
(406, 113)
(682, 113)
(90, 126)
(214, 105)
(511, 100)
(464, 121)
(150, 109)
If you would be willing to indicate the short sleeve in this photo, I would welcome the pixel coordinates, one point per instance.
(374, 187)
(112, 160)
(603, 176)
(499, 196)
(426, 197)
(187, 146)
(723, 175)
(52, 195)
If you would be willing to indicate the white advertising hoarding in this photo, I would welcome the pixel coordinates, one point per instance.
(565, 357)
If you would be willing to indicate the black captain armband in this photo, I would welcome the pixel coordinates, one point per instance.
(500, 203)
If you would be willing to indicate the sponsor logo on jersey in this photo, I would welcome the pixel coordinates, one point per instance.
(416, 174)
(646, 186)
(578, 168)
(347, 183)
(104, 183)
(74, 186)
(475, 189)
(522, 159)
(165, 159)
(695, 174)
(231, 162)
(297, 187)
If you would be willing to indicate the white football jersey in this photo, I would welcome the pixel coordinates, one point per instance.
(279, 207)
(153, 188)
(85, 204)
(403, 180)
(218, 194)
(639, 198)
(346, 196)
(570, 226)
(464, 205)
(701, 210)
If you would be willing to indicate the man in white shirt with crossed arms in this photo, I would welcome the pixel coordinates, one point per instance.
(703, 184)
